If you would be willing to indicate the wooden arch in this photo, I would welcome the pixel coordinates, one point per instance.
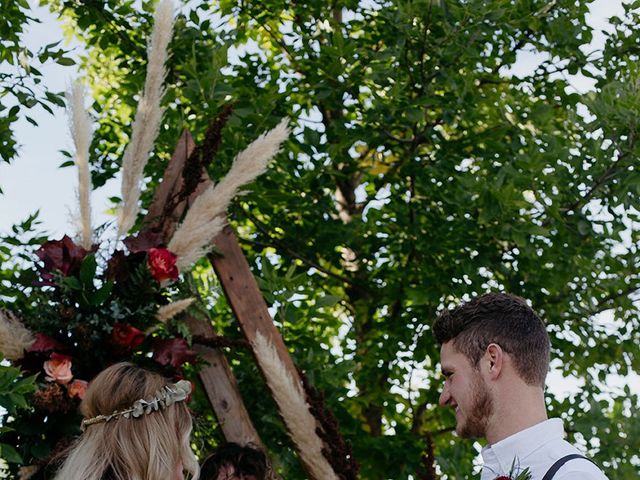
(240, 288)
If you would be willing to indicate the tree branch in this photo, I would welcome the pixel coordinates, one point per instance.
(275, 243)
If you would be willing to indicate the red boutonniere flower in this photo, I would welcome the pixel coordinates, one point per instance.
(522, 475)
(127, 336)
(162, 264)
(58, 369)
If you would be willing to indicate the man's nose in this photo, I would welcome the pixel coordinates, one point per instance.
(445, 396)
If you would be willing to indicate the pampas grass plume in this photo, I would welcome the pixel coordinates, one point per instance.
(167, 312)
(202, 223)
(148, 116)
(80, 127)
(294, 409)
(25, 473)
(15, 338)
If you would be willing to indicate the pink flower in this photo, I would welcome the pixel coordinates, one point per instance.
(58, 369)
(77, 389)
(162, 264)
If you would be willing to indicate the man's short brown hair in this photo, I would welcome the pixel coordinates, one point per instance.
(245, 460)
(503, 319)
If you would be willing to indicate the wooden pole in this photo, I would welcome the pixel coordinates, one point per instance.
(217, 378)
(249, 307)
(222, 390)
(244, 296)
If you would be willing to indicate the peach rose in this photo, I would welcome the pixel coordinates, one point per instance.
(58, 369)
(77, 388)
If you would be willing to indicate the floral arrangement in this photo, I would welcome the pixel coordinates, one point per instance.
(91, 312)
(97, 303)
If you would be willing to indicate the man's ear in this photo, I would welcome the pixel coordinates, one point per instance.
(493, 360)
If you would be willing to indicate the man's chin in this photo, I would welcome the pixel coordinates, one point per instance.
(463, 431)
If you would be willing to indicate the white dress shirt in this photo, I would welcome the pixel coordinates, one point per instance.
(537, 448)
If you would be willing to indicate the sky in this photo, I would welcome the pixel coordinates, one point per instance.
(33, 182)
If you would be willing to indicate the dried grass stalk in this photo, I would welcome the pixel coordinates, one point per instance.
(148, 116)
(15, 338)
(202, 223)
(80, 127)
(294, 409)
(25, 473)
(167, 312)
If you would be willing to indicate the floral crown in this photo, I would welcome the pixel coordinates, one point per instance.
(165, 397)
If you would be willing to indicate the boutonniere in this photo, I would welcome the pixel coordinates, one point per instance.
(516, 473)
(524, 475)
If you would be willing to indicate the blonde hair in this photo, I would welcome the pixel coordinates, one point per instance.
(149, 447)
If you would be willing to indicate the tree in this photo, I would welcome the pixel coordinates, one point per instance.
(421, 172)
(21, 87)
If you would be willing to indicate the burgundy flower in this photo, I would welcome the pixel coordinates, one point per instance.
(162, 264)
(503, 477)
(61, 256)
(127, 336)
(174, 352)
(143, 242)
(117, 267)
(44, 343)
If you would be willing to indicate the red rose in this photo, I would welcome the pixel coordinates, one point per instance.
(174, 352)
(127, 336)
(143, 241)
(162, 264)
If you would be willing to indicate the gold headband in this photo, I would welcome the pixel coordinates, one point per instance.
(165, 397)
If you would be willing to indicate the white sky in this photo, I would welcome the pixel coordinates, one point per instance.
(34, 181)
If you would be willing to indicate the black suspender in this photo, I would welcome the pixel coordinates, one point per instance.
(556, 466)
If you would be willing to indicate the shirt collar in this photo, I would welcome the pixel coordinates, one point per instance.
(522, 444)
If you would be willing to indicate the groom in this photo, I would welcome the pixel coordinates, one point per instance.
(495, 357)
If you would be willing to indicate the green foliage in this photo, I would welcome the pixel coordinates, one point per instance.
(21, 88)
(420, 171)
(14, 390)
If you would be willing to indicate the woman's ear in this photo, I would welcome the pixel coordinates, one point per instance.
(493, 360)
